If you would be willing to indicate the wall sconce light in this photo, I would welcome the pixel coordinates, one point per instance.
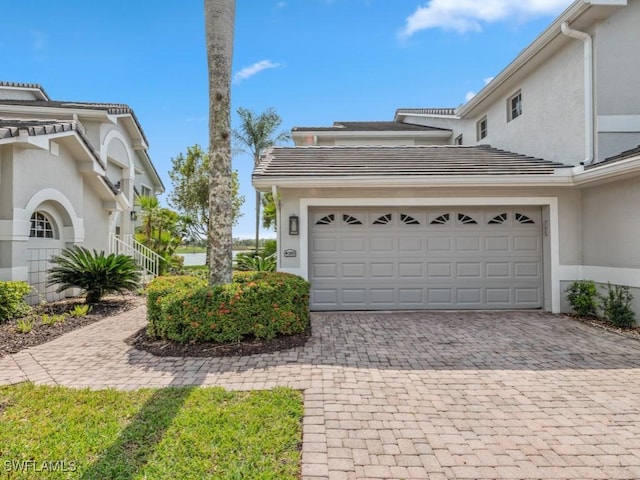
(294, 225)
(133, 215)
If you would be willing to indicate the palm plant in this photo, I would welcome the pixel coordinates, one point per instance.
(95, 273)
(256, 134)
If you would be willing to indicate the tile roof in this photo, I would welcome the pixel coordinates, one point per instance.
(426, 111)
(394, 161)
(370, 126)
(634, 152)
(110, 108)
(11, 127)
(35, 86)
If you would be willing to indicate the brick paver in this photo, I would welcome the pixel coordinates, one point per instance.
(413, 395)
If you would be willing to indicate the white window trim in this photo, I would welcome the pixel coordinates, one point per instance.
(46, 220)
(479, 128)
(458, 140)
(552, 258)
(144, 185)
(510, 116)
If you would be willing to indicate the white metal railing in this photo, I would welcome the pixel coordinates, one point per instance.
(144, 257)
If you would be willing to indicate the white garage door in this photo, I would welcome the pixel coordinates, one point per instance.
(409, 258)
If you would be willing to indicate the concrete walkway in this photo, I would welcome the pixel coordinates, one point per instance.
(418, 395)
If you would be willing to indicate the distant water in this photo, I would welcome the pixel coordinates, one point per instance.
(199, 258)
(194, 259)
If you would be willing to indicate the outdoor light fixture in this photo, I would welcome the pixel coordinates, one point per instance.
(134, 215)
(294, 225)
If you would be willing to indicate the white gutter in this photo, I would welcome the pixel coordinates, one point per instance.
(588, 88)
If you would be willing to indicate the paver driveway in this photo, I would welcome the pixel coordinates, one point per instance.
(410, 395)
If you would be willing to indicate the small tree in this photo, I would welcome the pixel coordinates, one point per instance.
(190, 190)
(162, 230)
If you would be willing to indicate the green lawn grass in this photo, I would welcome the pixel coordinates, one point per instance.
(169, 433)
(182, 249)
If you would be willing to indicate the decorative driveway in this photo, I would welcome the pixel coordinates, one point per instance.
(416, 395)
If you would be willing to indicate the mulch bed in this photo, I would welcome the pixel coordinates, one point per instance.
(12, 341)
(167, 348)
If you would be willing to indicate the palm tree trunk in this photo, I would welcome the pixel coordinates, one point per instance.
(219, 26)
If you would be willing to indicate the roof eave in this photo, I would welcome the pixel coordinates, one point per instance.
(264, 183)
(441, 133)
(609, 172)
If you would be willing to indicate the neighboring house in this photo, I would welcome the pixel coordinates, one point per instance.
(69, 175)
(421, 213)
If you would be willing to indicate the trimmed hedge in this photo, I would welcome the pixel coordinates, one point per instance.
(256, 304)
(12, 302)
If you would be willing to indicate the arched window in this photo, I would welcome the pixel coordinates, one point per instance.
(41, 226)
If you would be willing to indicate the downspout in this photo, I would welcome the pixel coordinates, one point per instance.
(274, 194)
(588, 89)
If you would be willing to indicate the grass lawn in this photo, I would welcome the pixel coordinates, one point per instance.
(182, 249)
(169, 433)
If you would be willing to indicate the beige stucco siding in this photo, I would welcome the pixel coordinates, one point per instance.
(96, 222)
(35, 170)
(551, 124)
(611, 224)
(616, 42)
(617, 70)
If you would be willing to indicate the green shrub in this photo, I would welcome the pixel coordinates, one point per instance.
(255, 305)
(617, 306)
(583, 298)
(163, 289)
(270, 247)
(80, 311)
(12, 302)
(93, 272)
(247, 262)
(51, 319)
(25, 325)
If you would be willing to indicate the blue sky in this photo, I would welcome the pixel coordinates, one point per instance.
(314, 61)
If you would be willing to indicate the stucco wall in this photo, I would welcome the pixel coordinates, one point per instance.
(35, 170)
(96, 222)
(552, 122)
(611, 224)
(6, 184)
(617, 66)
(617, 69)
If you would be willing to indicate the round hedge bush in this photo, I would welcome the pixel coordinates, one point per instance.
(260, 305)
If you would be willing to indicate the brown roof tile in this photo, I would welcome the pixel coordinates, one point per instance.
(396, 161)
(389, 126)
(634, 152)
(10, 127)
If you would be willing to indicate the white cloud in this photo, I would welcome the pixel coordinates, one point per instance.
(469, 15)
(250, 71)
(469, 96)
(487, 80)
